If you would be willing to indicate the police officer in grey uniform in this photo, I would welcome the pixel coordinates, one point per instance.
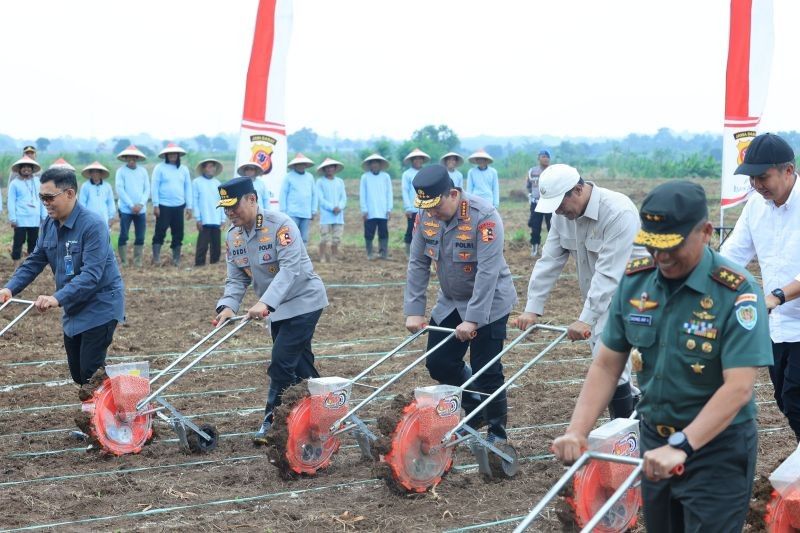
(462, 236)
(264, 248)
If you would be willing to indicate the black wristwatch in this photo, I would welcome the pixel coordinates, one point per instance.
(780, 295)
(679, 441)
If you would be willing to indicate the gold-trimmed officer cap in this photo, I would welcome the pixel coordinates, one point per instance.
(431, 183)
(232, 190)
(669, 213)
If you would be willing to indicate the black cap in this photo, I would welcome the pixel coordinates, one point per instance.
(669, 213)
(431, 183)
(232, 190)
(29, 148)
(765, 151)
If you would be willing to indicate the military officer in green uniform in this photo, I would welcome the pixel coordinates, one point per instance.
(461, 235)
(695, 326)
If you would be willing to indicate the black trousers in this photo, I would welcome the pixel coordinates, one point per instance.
(785, 376)
(713, 494)
(86, 352)
(409, 228)
(20, 236)
(292, 358)
(535, 223)
(209, 236)
(446, 365)
(372, 224)
(172, 218)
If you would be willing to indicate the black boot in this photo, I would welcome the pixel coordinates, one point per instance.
(370, 256)
(273, 401)
(621, 405)
(496, 414)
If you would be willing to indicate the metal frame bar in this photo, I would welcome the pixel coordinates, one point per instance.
(464, 421)
(199, 343)
(335, 427)
(188, 367)
(569, 474)
(16, 319)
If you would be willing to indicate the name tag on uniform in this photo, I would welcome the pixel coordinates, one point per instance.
(641, 320)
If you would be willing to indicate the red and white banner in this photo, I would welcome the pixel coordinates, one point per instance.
(746, 84)
(263, 135)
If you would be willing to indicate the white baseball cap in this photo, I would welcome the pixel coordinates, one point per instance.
(554, 182)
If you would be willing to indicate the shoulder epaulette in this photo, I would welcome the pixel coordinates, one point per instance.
(727, 277)
(639, 265)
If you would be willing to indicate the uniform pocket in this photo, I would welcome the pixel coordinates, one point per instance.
(699, 359)
(594, 245)
(569, 244)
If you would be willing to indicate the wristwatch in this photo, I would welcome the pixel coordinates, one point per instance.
(679, 441)
(780, 295)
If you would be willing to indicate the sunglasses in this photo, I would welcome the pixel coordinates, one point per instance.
(47, 198)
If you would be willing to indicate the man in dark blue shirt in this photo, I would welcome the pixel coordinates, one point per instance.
(76, 244)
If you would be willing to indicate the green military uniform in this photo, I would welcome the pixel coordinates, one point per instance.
(682, 335)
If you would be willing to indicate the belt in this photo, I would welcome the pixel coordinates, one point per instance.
(663, 430)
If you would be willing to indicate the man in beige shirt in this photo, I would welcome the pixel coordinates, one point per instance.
(597, 227)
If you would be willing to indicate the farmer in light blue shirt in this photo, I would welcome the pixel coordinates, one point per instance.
(416, 158)
(332, 200)
(482, 179)
(208, 215)
(96, 195)
(452, 161)
(172, 195)
(376, 199)
(299, 194)
(25, 212)
(76, 244)
(253, 171)
(132, 184)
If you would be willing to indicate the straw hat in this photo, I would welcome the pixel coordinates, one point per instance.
(131, 151)
(375, 157)
(95, 166)
(62, 163)
(25, 160)
(330, 162)
(240, 170)
(480, 154)
(171, 148)
(416, 152)
(217, 165)
(452, 154)
(300, 159)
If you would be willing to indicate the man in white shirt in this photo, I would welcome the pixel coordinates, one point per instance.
(769, 228)
(597, 227)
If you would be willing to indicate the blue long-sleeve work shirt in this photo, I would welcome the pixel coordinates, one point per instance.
(94, 294)
(264, 194)
(484, 183)
(376, 197)
(206, 198)
(98, 198)
(457, 177)
(24, 207)
(298, 195)
(172, 187)
(330, 194)
(133, 187)
(407, 186)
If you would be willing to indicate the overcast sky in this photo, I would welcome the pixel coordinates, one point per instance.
(363, 68)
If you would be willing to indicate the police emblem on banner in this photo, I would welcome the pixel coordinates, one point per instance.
(261, 149)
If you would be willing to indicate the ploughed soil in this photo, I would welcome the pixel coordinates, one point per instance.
(48, 477)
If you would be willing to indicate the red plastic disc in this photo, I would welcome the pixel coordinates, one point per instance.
(415, 467)
(783, 513)
(592, 490)
(112, 433)
(308, 448)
